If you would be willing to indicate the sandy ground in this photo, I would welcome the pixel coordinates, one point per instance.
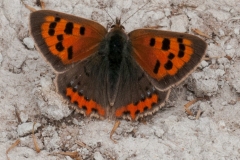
(27, 92)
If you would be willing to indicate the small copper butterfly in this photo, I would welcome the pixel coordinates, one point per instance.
(114, 74)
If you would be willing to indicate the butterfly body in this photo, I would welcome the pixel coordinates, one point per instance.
(114, 74)
(114, 49)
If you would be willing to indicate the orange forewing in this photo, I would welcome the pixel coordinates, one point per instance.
(164, 54)
(82, 45)
(65, 39)
(147, 56)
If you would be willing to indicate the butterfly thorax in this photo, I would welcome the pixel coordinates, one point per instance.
(117, 44)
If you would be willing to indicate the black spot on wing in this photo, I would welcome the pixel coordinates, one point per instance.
(157, 66)
(180, 54)
(60, 37)
(165, 44)
(53, 25)
(168, 65)
(59, 46)
(70, 53)
(57, 19)
(171, 56)
(51, 32)
(180, 40)
(69, 28)
(181, 50)
(152, 42)
(82, 30)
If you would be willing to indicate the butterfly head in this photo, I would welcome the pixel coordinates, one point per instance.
(117, 25)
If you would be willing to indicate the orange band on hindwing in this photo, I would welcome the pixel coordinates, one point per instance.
(88, 105)
(134, 109)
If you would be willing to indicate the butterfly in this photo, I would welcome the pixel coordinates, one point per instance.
(113, 74)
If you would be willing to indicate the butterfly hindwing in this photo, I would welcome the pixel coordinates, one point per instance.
(84, 85)
(65, 39)
(136, 96)
(168, 57)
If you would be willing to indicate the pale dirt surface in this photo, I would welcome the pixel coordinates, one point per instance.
(27, 89)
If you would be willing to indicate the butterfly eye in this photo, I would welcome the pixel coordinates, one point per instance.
(122, 27)
(113, 26)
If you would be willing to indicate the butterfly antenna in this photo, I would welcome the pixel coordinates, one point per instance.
(136, 11)
(106, 11)
(109, 15)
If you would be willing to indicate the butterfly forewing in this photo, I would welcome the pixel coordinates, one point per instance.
(168, 57)
(65, 39)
